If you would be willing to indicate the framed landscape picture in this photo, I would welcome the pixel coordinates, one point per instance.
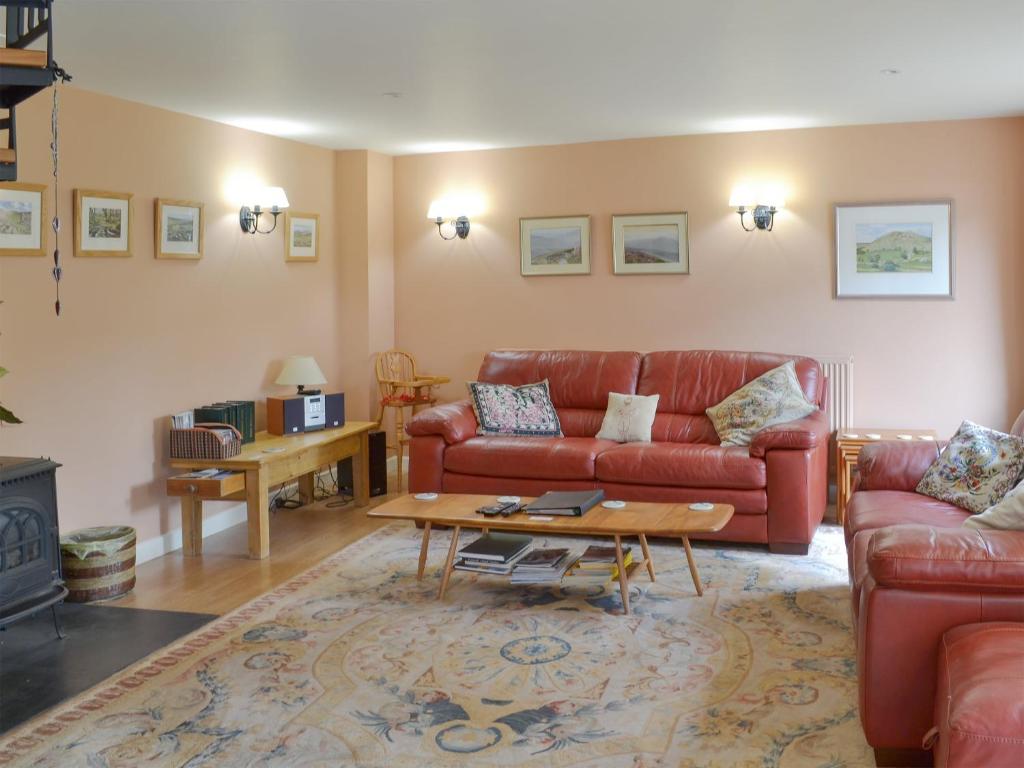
(179, 229)
(555, 245)
(22, 219)
(894, 250)
(650, 244)
(302, 231)
(103, 223)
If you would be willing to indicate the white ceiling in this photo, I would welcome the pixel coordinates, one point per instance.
(498, 73)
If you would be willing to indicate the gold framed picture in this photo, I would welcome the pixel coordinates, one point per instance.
(554, 245)
(103, 223)
(22, 219)
(179, 226)
(650, 244)
(302, 233)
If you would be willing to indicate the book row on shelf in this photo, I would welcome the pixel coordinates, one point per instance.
(240, 414)
(510, 554)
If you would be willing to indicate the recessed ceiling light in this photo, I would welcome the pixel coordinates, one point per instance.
(889, 72)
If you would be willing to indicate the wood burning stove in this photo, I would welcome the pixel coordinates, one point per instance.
(30, 577)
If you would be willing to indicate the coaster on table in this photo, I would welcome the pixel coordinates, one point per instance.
(904, 437)
(851, 435)
(274, 450)
(508, 499)
(873, 436)
(613, 504)
(425, 496)
(925, 437)
(702, 506)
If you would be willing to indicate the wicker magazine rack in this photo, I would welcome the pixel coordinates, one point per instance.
(201, 442)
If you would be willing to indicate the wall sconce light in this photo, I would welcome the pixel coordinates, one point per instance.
(272, 200)
(453, 212)
(761, 205)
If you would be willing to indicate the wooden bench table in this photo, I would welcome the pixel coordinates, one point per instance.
(270, 460)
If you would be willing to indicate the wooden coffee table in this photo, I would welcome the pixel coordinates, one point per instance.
(639, 519)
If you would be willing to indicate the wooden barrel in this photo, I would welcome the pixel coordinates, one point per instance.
(98, 563)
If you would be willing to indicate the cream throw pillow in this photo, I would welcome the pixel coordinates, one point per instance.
(772, 398)
(1007, 515)
(629, 418)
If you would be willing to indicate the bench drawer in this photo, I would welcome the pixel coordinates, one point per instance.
(215, 487)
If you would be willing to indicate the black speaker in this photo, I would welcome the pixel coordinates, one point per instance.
(335, 410)
(378, 468)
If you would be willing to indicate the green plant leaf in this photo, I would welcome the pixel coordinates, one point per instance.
(3, 371)
(7, 417)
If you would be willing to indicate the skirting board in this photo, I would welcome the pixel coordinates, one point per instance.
(158, 546)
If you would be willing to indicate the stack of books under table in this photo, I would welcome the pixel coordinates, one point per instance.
(542, 566)
(495, 553)
(596, 567)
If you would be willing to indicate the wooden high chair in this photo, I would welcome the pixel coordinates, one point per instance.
(402, 386)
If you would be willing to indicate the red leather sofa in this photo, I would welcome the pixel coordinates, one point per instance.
(915, 574)
(778, 486)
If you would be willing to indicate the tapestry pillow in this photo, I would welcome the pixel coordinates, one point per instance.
(1007, 515)
(772, 398)
(976, 469)
(502, 409)
(629, 418)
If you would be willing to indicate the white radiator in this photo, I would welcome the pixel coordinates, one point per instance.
(839, 370)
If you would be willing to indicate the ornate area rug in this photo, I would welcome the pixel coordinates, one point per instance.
(355, 663)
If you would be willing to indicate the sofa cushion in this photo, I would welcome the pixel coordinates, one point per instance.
(1007, 515)
(525, 410)
(681, 465)
(628, 418)
(690, 382)
(979, 705)
(976, 469)
(545, 458)
(577, 379)
(774, 397)
(869, 510)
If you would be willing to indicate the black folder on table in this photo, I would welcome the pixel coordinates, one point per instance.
(573, 503)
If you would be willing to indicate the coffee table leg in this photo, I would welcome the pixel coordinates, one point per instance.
(623, 579)
(423, 549)
(647, 555)
(448, 563)
(693, 566)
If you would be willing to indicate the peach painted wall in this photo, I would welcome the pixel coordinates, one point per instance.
(917, 363)
(141, 338)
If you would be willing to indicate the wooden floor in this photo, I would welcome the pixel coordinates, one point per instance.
(224, 578)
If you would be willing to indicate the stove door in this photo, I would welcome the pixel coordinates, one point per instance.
(29, 551)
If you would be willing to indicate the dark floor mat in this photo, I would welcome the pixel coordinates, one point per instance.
(38, 671)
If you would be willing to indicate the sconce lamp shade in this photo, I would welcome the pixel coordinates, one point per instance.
(453, 206)
(743, 197)
(300, 370)
(272, 197)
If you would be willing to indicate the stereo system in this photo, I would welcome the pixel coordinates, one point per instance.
(378, 468)
(305, 413)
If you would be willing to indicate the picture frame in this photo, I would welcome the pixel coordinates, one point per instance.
(23, 221)
(302, 236)
(102, 223)
(900, 250)
(554, 245)
(179, 228)
(650, 244)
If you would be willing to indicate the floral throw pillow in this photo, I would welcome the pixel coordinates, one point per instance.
(629, 418)
(976, 469)
(502, 409)
(773, 397)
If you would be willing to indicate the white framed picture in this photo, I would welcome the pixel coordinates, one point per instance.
(22, 219)
(179, 229)
(650, 244)
(554, 245)
(894, 250)
(103, 223)
(302, 231)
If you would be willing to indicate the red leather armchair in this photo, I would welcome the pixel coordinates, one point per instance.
(777, 485)
(915, 574)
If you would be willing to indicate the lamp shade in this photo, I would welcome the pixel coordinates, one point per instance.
(300, 370)
(271, 197)
(743, 196)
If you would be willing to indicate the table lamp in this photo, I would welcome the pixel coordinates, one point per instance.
(300, 370)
